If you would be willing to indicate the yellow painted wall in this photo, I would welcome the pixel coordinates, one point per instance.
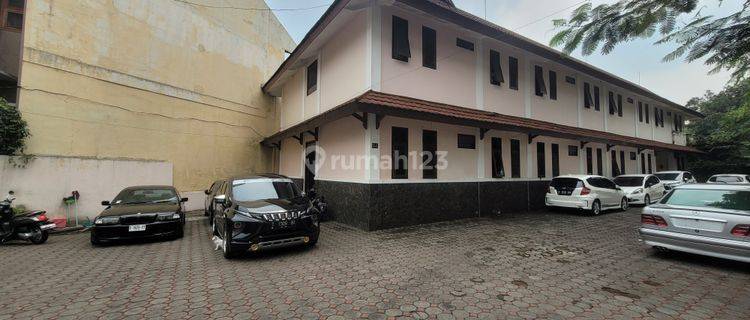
(158, 80)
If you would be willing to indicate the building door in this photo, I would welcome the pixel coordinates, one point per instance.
(310, 158)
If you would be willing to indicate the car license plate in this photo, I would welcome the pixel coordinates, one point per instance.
(137, 227)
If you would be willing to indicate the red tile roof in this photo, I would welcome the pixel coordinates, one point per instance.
(511, 122)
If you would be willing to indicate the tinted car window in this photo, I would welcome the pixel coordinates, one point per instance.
(652, 181)
(723, 199)
(134, 196)
(727, 179)
(559, 183)
(629, 181)
(263, 189)
(608, 183)
(667, 176)
(594, 182)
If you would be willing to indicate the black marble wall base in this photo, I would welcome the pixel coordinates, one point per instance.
(389, 205)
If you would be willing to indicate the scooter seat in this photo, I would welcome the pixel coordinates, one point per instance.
(32, 213)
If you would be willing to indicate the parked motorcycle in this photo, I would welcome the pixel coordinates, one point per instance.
(319, 202)
(32, 226)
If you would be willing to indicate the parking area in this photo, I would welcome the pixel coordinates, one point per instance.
(538, 265)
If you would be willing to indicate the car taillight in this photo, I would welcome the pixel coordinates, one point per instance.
(741, 230)
(42, 218)
(585, 191)
(653, 220)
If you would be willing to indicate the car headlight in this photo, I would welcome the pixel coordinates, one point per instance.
(637, 191)
(106, 220)
(167, 216)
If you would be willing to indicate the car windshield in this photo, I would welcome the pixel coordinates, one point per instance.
(722, 199)
(667, 176)
(629, 181)
(138, 196)
(264, 189)
(565, 183)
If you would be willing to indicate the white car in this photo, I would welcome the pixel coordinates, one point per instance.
(672, 179)
(729, 179)
(642, 189)
(585, 192)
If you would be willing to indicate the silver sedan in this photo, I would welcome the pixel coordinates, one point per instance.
(711, 220)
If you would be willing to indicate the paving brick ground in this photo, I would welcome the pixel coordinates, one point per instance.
(542, 265)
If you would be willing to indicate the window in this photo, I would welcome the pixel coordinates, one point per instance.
(612, 103)
(599, 162)
(12, 14)
(570, 80)
(589, 161)
(640, 111)
(587, 99)
(555, 160)
(539, 88)
(622, 162)
(656, 116)
(515, 158)
(633, 156)
(615, 167)
(461, 43)
(573, 151)
(429, 48)
(513, 72)
(400, 39)
(661, 117)
(540, 160)
(429, 154)
(647, 113)
(643, 163)
(399, 153)
(498, 171)
(619, 105)
(496, 71)
(467, 141)
(597, 104)
(312, 77)
(680, 123)
(552, 85)
(650, 169)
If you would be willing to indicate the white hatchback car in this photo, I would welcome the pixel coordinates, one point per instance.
(586, 192)
(642, 189)
(729, 179)
(672, 179)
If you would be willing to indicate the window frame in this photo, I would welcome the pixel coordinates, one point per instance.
(513, 72)
(597, 99)
(588, 100)
(466, 141)
(429, 49)
(429, 170)
(540, 89)
(599, 161)
(400, 173)
(555, 155)
(399, 38)
(541, 160)
(515, 158)
(496, 68)
(552, 75)
(496, 158)
(589, 161)
(314, 87)
(5, 9)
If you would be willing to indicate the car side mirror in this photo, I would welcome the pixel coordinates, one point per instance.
(206, 191)
(303, 194)
(220, 199)
(184, 200)
(105, 203)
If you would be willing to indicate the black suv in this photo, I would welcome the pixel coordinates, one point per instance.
(263, 212)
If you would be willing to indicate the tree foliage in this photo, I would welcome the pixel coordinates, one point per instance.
(13, 130)
(724, 134)
(724, 42)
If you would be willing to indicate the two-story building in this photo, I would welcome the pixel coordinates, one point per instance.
(420, 112)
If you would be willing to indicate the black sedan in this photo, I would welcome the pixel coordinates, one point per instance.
(138, 213)
(263, 212)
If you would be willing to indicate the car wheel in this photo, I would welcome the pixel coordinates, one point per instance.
(596, 208)
(624, 204)
(647, 200)
(227, 249)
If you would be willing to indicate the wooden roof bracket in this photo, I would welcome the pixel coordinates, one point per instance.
(362, 118)
(609, 146)
(641, 150)
(378, 118)
(531, 137)
(583, 144)
(314, 133)
(482, 132)
(300, 138)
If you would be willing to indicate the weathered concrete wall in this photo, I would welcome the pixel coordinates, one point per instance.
(157, 80)
(44, 181)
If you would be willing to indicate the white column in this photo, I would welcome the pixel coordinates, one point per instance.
(480, 156)
(529, 160)
(374, 41)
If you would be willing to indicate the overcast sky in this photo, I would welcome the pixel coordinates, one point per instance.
(637, 61)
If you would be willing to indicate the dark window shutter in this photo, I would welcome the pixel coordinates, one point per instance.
(429, 154)
(429, 48)
(541, 169)
(656, 116)
(399, 153)
(400, 39)
(552, 85)
(589, 161)
(587, 100)
(650, 168)
(661, 117)
(573, 151)
(467, 141)
(619, 105)
(640, 111)
(539, 88)
(643, 163)
(622, 162)
(513, 73)
(599, 162)
(515, 158)
(312, 77)
(555, 160)
(496, 71)
(647, 113)
(498, 170)
(612, 103)
(468, 45)
(615, 167)
(597, 104)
